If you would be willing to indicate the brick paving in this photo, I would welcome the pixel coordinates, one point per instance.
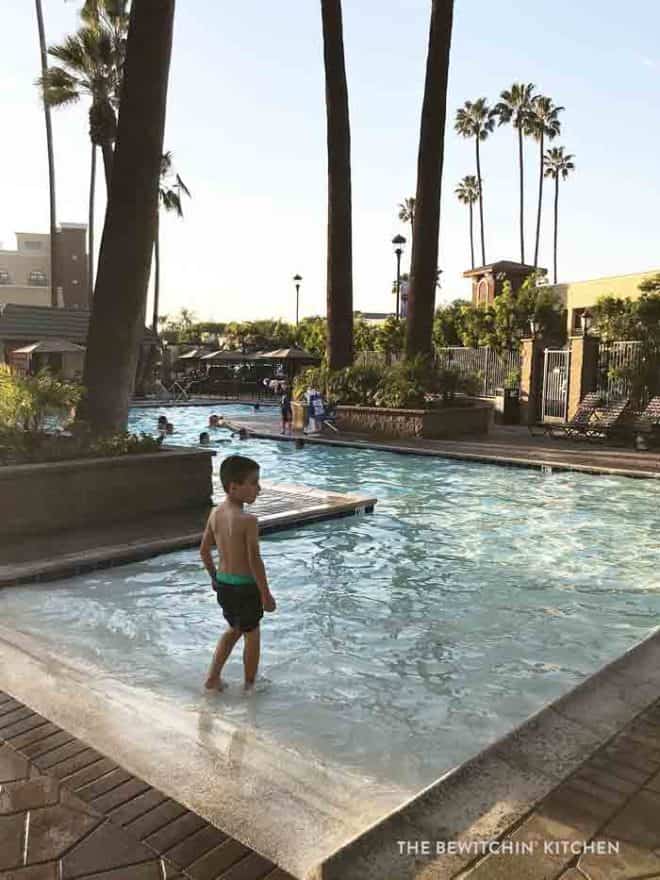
(69, 813)
(601, 823)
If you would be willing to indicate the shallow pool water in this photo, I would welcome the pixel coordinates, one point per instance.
(405, 640)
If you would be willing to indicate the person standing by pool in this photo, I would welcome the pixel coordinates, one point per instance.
(240, 584)
(286, 410)
(310, 396)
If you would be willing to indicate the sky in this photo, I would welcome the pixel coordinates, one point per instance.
(246, 126)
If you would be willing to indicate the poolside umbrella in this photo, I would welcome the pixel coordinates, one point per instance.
(291, 357)
(227, 357)
(194, 354)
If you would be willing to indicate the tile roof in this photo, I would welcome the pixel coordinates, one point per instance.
(32, 323)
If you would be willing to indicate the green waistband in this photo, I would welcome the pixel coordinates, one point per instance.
(235, 580)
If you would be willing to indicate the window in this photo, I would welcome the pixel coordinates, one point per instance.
(482, 293)
(32, 245)
(4, 277)
(37, 278)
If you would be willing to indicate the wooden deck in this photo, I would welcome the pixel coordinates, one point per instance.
(63, 555)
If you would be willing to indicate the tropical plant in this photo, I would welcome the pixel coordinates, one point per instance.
(170, 189)
(340, 237)
(542, 122)
(364, 335)
(468, 193)
(477, 120)
(51, 159)
(514, 107)
(115, 328)
(312, 334)
(557, 164)
(26, 401)
(92, 63)
(448, 324)
(430, 157)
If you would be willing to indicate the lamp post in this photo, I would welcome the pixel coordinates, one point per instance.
(399, 243)
(585, 321)
(296, 280)
(534, 326)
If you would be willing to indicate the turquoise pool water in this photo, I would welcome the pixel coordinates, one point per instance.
(405, 640)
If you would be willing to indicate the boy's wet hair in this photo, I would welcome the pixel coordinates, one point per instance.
(236, 469)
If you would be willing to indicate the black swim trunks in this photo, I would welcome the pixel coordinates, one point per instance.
(240, 600)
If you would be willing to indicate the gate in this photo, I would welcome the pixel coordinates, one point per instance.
(554, 400)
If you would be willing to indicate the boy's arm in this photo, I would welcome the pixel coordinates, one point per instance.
(206, 547)
(256, 563)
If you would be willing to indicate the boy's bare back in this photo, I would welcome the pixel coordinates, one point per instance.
(232, 531)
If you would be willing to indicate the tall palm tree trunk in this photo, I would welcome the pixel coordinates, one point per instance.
(154, 320)
(538, 214)
(108, 155)
(90, 228)
(51, 160)
(471, 234)
(481, 205)
(117, 325)
(556, 220)
(421, 297)
(522, 200)
(340, 259)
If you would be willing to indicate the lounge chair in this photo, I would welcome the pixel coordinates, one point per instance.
(578, 424)
(648, 421)
(608, 420)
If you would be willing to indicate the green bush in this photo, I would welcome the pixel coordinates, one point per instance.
(405, 385)
(18, 446)
(27, 401)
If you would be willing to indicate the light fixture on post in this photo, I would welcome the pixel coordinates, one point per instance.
(296, 280)
(399, 243)
(586, 319)
(534, 326)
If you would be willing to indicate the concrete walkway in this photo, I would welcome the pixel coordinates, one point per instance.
(512, 446)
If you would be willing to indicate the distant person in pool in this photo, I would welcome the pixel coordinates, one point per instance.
(204, 438)
(240, 583)
(162, 425)
(215, 421)
(169, 428)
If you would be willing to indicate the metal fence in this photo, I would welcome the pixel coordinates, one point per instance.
(376, 358)
(494, 370)
(619, 368)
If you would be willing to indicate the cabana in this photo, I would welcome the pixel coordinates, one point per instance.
(61, 356)
(293, 359)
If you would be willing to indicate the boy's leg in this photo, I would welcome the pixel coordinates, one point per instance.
(251, 650)
(223, 649)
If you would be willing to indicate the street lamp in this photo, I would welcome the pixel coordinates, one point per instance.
(399, 243)
(296, 280)
(585, 321)
(534, 326)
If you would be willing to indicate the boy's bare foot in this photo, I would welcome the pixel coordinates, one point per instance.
(214, 684)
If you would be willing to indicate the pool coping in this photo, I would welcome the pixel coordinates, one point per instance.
(546, 465)
(332, 505)
(487, 796)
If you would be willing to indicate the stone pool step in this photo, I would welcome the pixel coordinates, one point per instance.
(67, 811)
(48, 557)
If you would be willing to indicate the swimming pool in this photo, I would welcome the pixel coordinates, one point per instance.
(405, 640)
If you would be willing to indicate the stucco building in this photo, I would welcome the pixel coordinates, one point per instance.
(25, 273)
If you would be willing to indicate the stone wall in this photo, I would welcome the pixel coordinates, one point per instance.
(51, 497)
(450, 421)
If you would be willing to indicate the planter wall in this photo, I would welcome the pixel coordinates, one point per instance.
(451, 421)
(51, 497)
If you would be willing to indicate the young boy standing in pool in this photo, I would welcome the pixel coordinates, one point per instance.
(240, 583)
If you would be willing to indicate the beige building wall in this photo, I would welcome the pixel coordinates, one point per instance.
(25, 296)
(577, 296)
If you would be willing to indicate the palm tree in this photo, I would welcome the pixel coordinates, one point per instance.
(477, 120)
(340, 259)
(169, 198)
(557, 164)
(117, 322)
(407, 213)
(92, 63)
(514, 107)
(424, 272)
(542, 122)
(51, 160)
(468, 193)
